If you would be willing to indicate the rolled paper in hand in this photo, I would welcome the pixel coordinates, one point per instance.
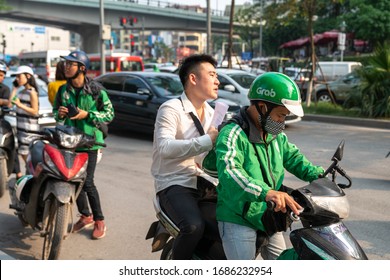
(219, 113)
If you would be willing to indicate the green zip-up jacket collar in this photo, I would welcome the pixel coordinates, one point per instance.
(85, 100)
(245, 178)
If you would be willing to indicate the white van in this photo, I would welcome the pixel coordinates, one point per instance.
(331, 70)
(43, 62)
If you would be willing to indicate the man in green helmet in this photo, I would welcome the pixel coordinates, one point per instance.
(252, 153)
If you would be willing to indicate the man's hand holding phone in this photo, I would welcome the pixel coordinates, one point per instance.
(72, 110)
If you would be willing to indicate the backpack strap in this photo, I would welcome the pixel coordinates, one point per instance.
(197, 123)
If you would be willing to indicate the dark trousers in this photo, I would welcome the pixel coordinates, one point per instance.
(181, 205)
(17, 165)
(89, 193)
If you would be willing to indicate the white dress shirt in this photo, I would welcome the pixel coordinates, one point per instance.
(178, 148)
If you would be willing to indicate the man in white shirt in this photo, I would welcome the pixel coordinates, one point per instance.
(178, 147)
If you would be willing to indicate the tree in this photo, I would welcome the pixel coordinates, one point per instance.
(374, 95)
(369, 20)
(4, 6)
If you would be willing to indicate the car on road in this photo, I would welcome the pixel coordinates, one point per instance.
(301, 77)
(234, 85)
(160, 67)
(46, 117)
(341, 88)
(136, 97)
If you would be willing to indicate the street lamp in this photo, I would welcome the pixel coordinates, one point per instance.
(341, 39)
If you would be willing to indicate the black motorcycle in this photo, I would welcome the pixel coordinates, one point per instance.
(7, 149)
(323, 234)
(44, 199)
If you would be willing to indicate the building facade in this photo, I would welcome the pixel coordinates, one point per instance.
(23, 37)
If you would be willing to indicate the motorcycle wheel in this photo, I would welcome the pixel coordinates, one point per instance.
(22, 220)
(166, 253)
(55, 229)
(3, 176)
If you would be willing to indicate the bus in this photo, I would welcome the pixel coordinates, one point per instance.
(43, 62)
(115, 62)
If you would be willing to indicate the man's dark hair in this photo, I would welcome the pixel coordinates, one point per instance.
(189, 64)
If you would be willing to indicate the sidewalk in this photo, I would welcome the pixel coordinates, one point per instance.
(4, 256)
(373, 123)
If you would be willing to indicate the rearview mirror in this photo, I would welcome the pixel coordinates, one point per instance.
(230, 88)
(338, 155)
(143, 91)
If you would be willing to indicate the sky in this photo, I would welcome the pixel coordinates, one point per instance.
(215, 4)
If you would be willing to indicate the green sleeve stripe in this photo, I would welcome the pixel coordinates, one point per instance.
(237, 176)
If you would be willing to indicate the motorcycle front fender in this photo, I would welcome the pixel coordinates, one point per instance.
(332, 242)
(63, 191)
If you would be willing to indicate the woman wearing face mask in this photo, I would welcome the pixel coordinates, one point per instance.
(27, 107)
(252, 153)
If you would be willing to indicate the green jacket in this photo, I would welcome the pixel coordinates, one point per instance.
(87, 100)
(245, 178)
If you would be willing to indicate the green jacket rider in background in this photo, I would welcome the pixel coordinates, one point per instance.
(251, 166)
(93, 106)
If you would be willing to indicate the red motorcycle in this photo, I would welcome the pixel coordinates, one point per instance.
(44, 199)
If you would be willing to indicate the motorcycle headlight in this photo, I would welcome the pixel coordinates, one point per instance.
(69, 141)
(338, 205)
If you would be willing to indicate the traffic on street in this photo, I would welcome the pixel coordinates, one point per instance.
(127, 191)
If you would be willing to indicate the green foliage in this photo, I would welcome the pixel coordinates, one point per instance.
(375, 93)
(287, 21)
(324, 108)
(369, 20)
(4, 6)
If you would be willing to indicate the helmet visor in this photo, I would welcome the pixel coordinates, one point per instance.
(293, 106)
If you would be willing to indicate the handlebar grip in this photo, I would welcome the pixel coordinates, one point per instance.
(271, 205)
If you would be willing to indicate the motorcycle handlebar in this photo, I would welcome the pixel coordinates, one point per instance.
(271, 206)
(101, 144)
(88, 141)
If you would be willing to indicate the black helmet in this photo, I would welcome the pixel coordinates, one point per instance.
(3, 67)
(78, 56)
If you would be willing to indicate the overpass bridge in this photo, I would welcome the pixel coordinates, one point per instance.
(83, 17)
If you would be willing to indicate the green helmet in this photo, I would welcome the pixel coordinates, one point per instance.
(278, 89)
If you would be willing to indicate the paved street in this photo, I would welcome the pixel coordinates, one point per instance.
(126, 188)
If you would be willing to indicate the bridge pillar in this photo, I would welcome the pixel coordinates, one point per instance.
(90, 38)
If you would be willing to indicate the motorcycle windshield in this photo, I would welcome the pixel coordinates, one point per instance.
(333, 242)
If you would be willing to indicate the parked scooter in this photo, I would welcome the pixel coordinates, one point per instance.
(44, 199)
(323, 235)
(7, 149)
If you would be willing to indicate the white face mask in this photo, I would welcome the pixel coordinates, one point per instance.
(273, 127)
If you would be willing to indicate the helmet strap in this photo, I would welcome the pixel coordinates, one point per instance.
(78, 72)
(263, 116)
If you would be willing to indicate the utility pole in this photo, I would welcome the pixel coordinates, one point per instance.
(230, 45)
(311, 8)
(261, 30)
(102, 46)
(143, 37)
(4, 44)
(208, 27)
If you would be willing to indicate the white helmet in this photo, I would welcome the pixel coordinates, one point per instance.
(20, 184)
(24, 69)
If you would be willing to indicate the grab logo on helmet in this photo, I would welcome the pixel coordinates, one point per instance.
(266, 92)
